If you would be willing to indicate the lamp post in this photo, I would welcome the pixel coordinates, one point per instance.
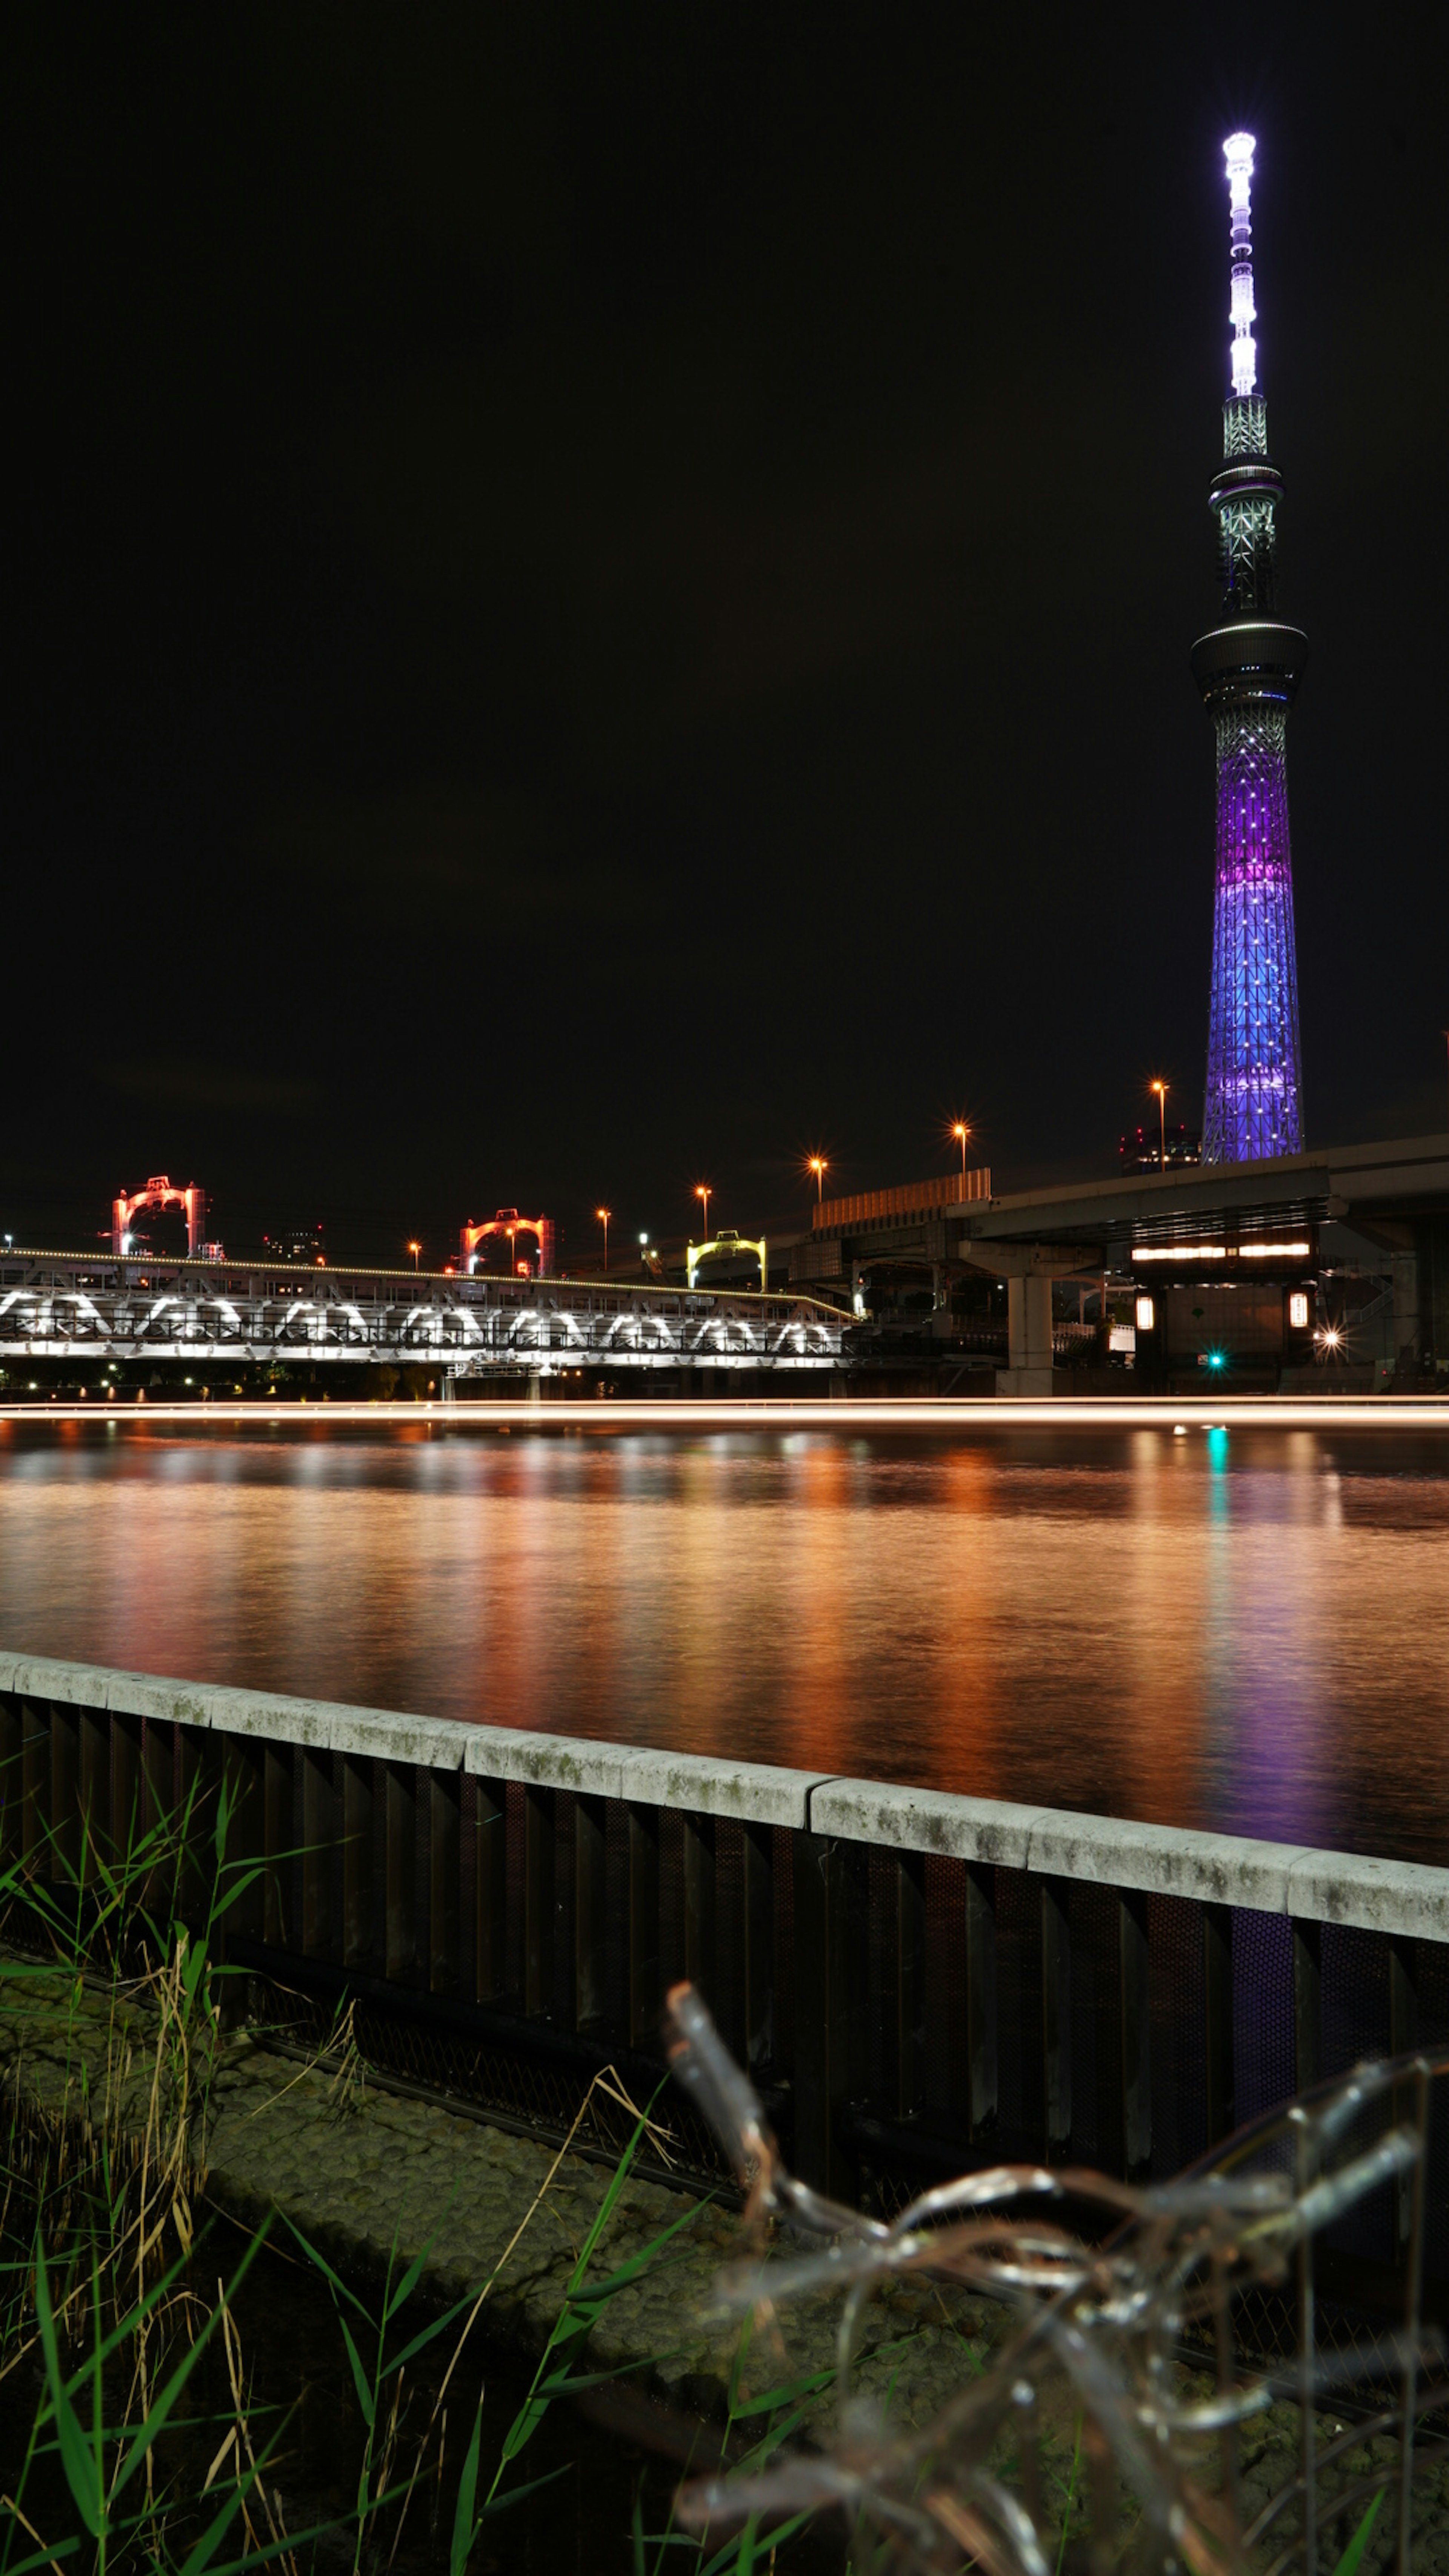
(415, 1249)
(1161, 1089)
(603, 1216)
(819, 1166)
(961, 1131)
(704, 1190)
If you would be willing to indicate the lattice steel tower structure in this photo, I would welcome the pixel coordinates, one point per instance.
(1248, 669)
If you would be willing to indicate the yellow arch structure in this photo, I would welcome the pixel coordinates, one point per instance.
(727, 1240)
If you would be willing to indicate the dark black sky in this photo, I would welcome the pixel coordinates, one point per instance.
(602, 595)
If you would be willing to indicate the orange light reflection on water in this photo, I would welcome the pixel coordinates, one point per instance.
(1246, 1631)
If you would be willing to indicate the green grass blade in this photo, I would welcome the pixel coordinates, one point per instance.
(366, 2398)
(465, 2527)
(399, 2297)
(429, 2334)
(43, 2557)
(730, 2559)
(1071, 2497)
(787, 2395)
(1348, 2563)
(76, 2456)
(325, 2268)
(516, 2495)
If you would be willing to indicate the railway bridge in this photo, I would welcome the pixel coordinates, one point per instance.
(108, 1311)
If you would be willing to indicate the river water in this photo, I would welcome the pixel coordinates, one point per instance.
(1246, 1630)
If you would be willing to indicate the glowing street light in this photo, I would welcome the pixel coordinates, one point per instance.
(415, 1249)
(603, 1216)
(705, 1190)
(1161, 1089)
(819, 1166)
(961, 1131)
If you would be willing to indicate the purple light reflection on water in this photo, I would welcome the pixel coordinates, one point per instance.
(1246, 1631)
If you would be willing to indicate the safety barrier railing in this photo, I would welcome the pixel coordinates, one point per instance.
(913, 1975)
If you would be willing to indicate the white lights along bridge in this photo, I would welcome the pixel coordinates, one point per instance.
(79, 1307)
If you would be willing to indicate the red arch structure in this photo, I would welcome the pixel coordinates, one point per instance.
(158, 1193)
(509, 1222)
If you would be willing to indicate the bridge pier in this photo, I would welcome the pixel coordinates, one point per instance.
(1029, 1329)
(1028, 1269)
(940, 1301)
(1406, 1311)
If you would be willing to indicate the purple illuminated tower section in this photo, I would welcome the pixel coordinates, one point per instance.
(1248, 669)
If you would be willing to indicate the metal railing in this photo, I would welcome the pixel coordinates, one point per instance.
(919, 1980)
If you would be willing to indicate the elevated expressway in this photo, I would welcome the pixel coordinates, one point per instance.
(1396, 1195)
(94, 1310)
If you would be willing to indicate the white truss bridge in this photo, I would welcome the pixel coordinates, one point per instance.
(78, 1306)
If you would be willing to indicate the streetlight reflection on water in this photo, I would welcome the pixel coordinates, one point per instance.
(1213, 1629)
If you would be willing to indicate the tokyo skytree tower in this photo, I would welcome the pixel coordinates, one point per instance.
(1248, 669)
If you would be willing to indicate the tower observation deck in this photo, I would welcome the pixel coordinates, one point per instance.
(1248, 668)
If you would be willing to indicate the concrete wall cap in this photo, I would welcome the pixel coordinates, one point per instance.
(435, 1743)
(1409, 1899)
(158, 1696)
(1163, 1860)
(53, 1677)
(545, 1761)
(274, 1719)
(757, 1793)
(1406, 1899)
(926, 1820)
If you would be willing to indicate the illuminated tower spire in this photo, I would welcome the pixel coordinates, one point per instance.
(1248, 670)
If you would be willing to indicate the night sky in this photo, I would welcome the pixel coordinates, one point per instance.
(601, 597)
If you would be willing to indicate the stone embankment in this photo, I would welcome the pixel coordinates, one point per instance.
(370, 2178)
(367, 2177)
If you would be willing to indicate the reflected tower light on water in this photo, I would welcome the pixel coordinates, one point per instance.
(1034, 1616)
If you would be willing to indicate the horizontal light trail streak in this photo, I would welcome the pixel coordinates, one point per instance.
(733, 1413)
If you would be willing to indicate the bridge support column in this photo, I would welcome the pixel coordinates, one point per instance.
(940, 1302)
(1406, 1312)
(1028, 1269)
(1029, 1325)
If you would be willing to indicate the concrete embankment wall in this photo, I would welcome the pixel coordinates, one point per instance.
(915, 1978)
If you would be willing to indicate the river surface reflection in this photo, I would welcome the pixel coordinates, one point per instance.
(1247, 1630)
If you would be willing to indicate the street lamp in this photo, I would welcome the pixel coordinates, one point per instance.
(1161, 1090)
(415, 1249)
(961, 1131)
(819, 1166)
(704, 1190)
(603, 1216)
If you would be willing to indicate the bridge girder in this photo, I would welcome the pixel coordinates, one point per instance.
(50, 1308)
